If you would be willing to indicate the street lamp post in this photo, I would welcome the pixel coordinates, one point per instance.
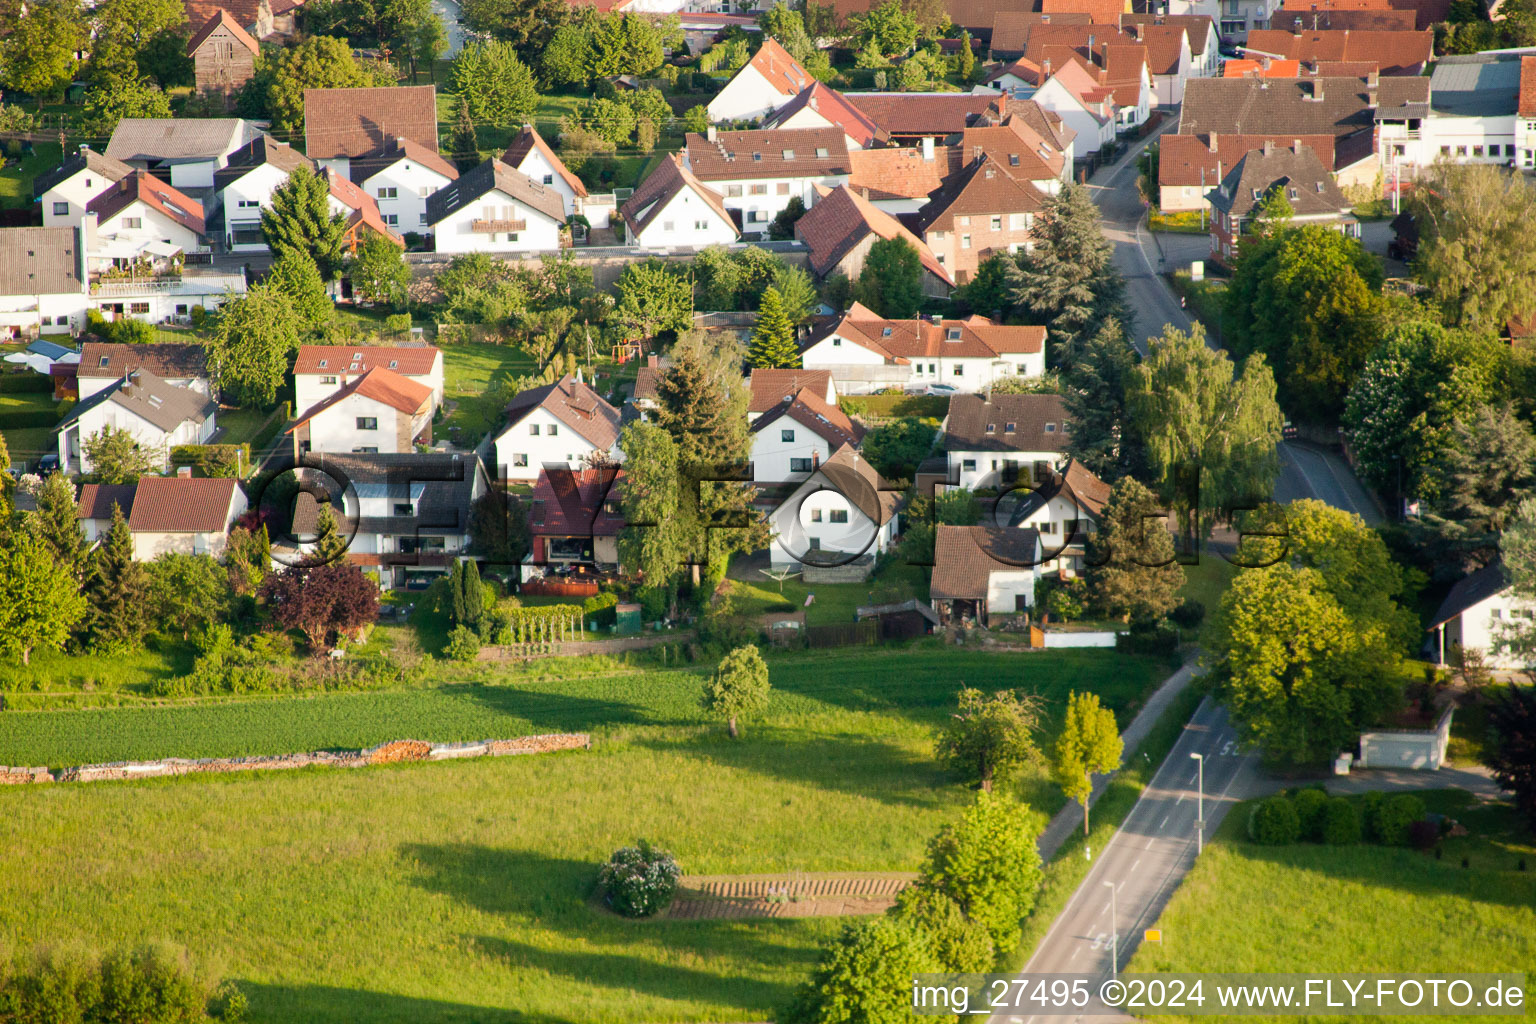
(1114, 934)
(1200, 803)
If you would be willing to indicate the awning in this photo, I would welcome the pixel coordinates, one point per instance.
(162, 249)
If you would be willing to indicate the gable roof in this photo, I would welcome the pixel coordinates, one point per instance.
(811, 411)
(142, 187)
(1393, 52)
(96, 500)
(381, 385)
(1308, 185)
(781, 153)
(173, 138)
(894, 172)
(1104, 12)
(1076, 483)
(181, 504)
(106, 167)
(852, 476)
(1017, 147)
(407, 360)
(920, 113)
(665, 183)
(365, 209)
(1470, 590)
(576, 503)
(826, 101)
(1165, 45)
(1011, 29)
(573, 403)
(1283, 107)
(964, 557)
(771, 386)
(356, 122)
(222, 19)
(258, 152)
(782, 72)
(1203, 160)
(40, 261)
(151, 398)
(983, 188)
(493, 175)
(1199, 27)
(1381, 21)
(841, 219)
(1426, 12)
(529, 140)
(172, 360)
(1041, 423)
(901, 341)
(399, 148)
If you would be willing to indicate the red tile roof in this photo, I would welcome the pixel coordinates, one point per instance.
(182, 504)
(770, 386)
(529, 140)
(833, 106)
(1426, 12)
(172, 360)
(1181, 158)
(577, 503)
(985, 188)
(841, 219)
(365, 210)
(142, 187)
(782, 71)
(1391, 52)
(811, 411)
(920, 114)
(381, 385)
(659, 188)
(1264, 67)
(222, 18)
(96, 500)
(904, 340)
(573, 403)
(1017, 147)
(356, 122)
(1527, 105)
(413, 361)
(1104, 12)
(1010, 32)
(895, 173)
(1391, 21)
(964, 557)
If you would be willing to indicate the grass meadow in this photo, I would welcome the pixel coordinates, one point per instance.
(1313, 908)
(462, 891)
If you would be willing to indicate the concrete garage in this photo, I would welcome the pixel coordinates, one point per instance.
(1415, 749)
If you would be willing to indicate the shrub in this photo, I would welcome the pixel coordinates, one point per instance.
(1370, 811)
(199, 316)
(1188, 615)
(1159, 638)
(599, 609)
(639, 880)
(1396, 815)
(1274, 822)
(1341, 822)
(961, 945)
(149, 984)
(463, 644)
(398, 323)
(1311, 805)
(1423, 834)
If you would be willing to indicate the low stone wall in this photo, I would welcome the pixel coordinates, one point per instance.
(23, 776)
(385, 753)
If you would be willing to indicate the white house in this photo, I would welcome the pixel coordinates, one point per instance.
(1476, 614)
(759, 172)
(1472, 114)
(103, 364)
(562, 424)
(866, 352)
(765, 83)
(1007, 441)
(981, 571)
(400, 177)
(94, 507)
(796, 435)
(1086, 107)
(1065, 510)
(245, 186)
(673, 208)
(141, 217)
(531, 155)
(166, 299)
(346, 124)
(42, 281)
(495, 209)
(839, 515)
(183, 514)
(191, 149)
(320, 371)
(65, 192)
(159, 415)
(378, 412)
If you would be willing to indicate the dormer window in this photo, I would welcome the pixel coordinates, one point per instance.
(953, 334)
(1257, 194)
(1050, 428)
(1295, 194)
(1008, 428)
(1013, 159)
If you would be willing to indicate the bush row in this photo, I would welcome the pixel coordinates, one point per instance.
(26, 383)
(1311, 815)
(221, 460)
(21, 419)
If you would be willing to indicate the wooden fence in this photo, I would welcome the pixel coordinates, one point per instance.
(844, 634)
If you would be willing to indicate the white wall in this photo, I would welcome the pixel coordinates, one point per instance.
(1461, 136)
(25, 312)
(253, 187)
(537, 167)
(336, 429)
(1481, 626)
(76, 191)
(795, 525)
(1005, 586)
(111, 414)
(966, 374)
(412, 184)
(988, 467)
(555, 442)
(197, 173)
(1091, 132)
(678, 224)
(746, 97)
(310, 389)
(148, 546)
(153, 226)
(758, 211)
(805, 117)
(772, 453)
(453, 234)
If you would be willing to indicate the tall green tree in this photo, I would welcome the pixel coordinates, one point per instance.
(987, 862)
(464, 145)
(1486, 469)
(118, 589)
(379, 272)
(654, 541)
(253, 338)
(891, 281)
(299, 219)
(474, 593)
(296, 275)
(1089, 743)
(1475, 251)
(330, 545)
(529, 25)
(1103, 436)
(124, 28)
(1068, 281)
(888, 27)
(773, 337)
(797, 293)
(117, 456)
(1197, 413)
(497, 85)
(37, 56)
(113, 96)
(965, 63)
(653, 298)
(56, 524)
(1132, 572)
(40, 600)
(991, 739)
(187, 593)
(317, 62)
(738, 688)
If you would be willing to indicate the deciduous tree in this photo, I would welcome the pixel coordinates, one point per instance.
(253, 338)
(1089, 743)
(187, 593)
(116, 456)
(38, 55)
(1512, 752)
(1487, 466)
(652, 298)
(865, 975)
(379, 272)
(891, 282)
(990, 739)
(497, 85)
(896, 447)
(739, 687)
(322, 602)
(40, 600)
(1475, 251)
(56, 524)
(317, 62)
(988, 864)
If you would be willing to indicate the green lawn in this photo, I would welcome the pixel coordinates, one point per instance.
(17, 174)
(1317, 909)
(471, 373)
(25, 444)
(461, 891)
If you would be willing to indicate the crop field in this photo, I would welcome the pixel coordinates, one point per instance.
(462, 891)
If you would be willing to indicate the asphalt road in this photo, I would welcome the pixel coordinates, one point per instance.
(1144, 861)
(1309, 472)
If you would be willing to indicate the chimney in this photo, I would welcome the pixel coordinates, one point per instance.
(184, 472)
(1269, 147)
(399, 141)
(653, 361)
(710, 133)
(84, 149)
(928, 149)
(1296, 146)
(1213, 142)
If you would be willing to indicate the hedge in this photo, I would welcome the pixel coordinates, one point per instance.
(28, 383)
(932, 406)
(24, 418)
(213, 459)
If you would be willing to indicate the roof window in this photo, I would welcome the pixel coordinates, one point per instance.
(1008, 428)
(394, 364)
(823, 152)
(104, 360)
(757, 157)
(1050, 428)
(789, 154)
(953, 334)
(324, 363)
(885, 332)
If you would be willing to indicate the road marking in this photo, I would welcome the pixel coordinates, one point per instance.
(1098, 943)
(1076, 951)
(1180, 799)
(1165, 822)
(1193, 777)
(1135, 864)
(1151, 841)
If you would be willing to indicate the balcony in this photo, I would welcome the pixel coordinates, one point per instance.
(125, 286)
(496, 227)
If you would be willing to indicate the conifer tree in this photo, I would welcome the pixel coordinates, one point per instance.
(300, 219)
(474, 593)
(330, 546)
(773, 339)
(56, 524)
(1068, 281)
(456, 594)
(464, 145)
(117, 589)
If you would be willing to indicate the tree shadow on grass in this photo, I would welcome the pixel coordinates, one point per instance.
(551, 712)
(324, 1004)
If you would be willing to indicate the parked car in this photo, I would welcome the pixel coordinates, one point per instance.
(47, 465)
(945, 390)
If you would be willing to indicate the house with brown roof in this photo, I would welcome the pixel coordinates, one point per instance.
(574, 519)
(982, 210)
(183, 515)
(1468, 112)
(673, 207)
(342, 124)
(1065, 509)
(764, 84)
(399, 177)
(531, 155)
(223, 57)
(1189, 165)
(1102, 12)
(769, 387)
(566, 423)
(1200, 29)
(320, 371)
(866, 352)
(359, 210)
(759, 172)
(43, 281)
(821, 106)
(188, 150)
(103, 363)
(842, 516)
(64, 192)
(266, 20)
(797, 434)
(983, 571)
(899, 179)
(840, 229)
(1080, 97)
(1426, 13)
(1004, 441)
(158, 414)
(93, 507)
(380, 411)
(245, 186)
(1313, 20)
(1297, 174)
(1390, 53)
(493, 208)
(911, 117)
(141, 217)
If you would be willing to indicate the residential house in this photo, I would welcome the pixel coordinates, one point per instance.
(1426, 13)
(1100, 12)
(245, 185)
(1200, 29)
(1112, 53)
(764, 84)
(842, 227)
(141, 217)
(495, 209)
(1479, 610)
(769, 387)
(103, 364)
(566, 423)
(188, 149)
(1470, 113)
(94, 507)
(183, 515)
(380, 411)
(160, 415)
(1004, 441)
(978, 212)
(1307, 185)
(1065, 509)
(42, 281)
(400, 177)
(842, 515)
(574, 519)
(1075, 94)
(866, 352)
(223, 57)
(359, 210)
(1341, 19)
(531, 155)
(982, 571)
(821, 106)
(267, 20)
(1262, 67)
(759, 172)
(64, 192)
(343, 124)
(899, 179)
(408, 514)
(797, 434)
(910, 117)
(168, 294)
(1019, 148)
(320, 371)
(1390, 53)
(1188, 166)
(672, 207)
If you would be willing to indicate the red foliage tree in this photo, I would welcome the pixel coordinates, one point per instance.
(322, 601)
